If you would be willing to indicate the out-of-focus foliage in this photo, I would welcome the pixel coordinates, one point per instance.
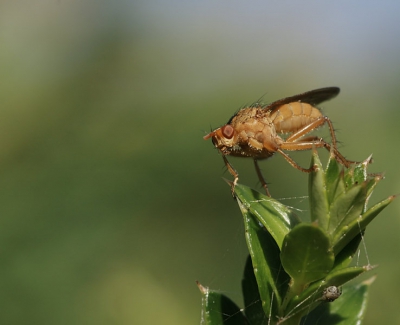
(111, 204)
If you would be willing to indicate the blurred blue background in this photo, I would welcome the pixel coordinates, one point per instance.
(111, 203)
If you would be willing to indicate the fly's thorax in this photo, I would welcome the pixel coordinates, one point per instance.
(292, 117)
(245, 114)
(256, 134)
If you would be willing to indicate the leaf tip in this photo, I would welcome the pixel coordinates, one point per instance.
(230, 183)
(370, 267)
(370, 280)
(203, 290)
(368, 161)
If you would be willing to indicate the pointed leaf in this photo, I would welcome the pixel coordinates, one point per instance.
(217, 309)
(371, 186)
(348, 178)
(349, 309)
(357, 173)
(345, 256)
(312, 296)
(319, 209)
(333, 179)
(347, 207)
(252, 301)
(345, 235)
(277, 218)
(271, 278)
(306, 254)
(360, 172)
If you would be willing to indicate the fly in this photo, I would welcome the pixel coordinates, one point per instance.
(255, 131)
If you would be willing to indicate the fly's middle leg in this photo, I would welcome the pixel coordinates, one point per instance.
(261, 178)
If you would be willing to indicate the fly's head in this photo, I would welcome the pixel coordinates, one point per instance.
(223, 138)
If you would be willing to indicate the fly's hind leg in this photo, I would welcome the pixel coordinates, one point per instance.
(307, 143)
(338, 155)
(295, 164)
(261, 178)
(310, 144)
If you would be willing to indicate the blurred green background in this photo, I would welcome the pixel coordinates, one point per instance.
(111, 203)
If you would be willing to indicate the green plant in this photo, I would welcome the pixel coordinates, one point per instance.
(296, 270)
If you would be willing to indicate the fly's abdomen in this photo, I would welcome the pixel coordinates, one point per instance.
(293, 116)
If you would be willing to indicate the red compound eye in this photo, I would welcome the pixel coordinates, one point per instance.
(227, 131)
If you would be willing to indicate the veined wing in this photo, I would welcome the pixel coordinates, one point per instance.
(312, 97)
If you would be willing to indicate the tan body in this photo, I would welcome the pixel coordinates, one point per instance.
(255, 131)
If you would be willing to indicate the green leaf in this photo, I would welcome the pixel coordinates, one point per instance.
(217, 309)
(312, 296)
(345, 256)
(348, 309)
(271, 278)
(357, 173)
(347, 207)
(334, 179)
(345, 235)
(306, 254)
(277, 218)
(360, 172)
(319, 208)
(253, 308)
(371, 186)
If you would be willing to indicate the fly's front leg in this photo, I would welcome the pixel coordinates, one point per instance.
(233, 172)
(261, 178)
